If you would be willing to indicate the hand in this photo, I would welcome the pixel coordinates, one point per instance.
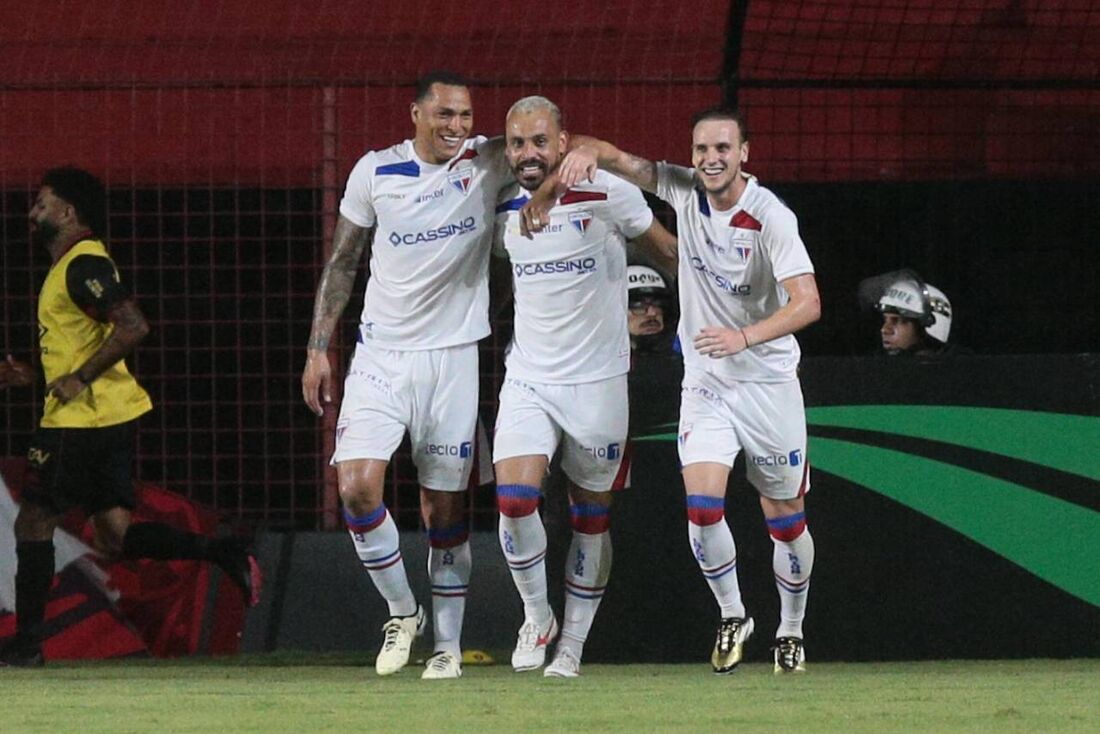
(14, 373)
(579, 164)
(535, 214)
(66, 387)
(317, 380)
(718, 341)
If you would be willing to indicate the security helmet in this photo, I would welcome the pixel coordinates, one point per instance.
(645, 281)
(924, 303)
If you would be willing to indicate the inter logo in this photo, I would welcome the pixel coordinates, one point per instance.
(460, 180)
(581, 220)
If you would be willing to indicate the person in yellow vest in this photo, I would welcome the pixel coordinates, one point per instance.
(82, 454)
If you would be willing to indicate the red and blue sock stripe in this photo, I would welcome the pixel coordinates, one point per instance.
(517, 500)
(449, 537)
(365, 523)
(705, 510)
(788, 527)
(589, 518)
(717, 572)
(584, 592)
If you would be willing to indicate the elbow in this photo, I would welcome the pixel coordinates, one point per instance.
(813, 310)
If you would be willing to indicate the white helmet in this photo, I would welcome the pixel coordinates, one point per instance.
(924, 303)
(645, 280)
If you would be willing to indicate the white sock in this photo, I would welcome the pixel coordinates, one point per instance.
(376, 543)
(714, 551)
(587, 568)
(523, 540)
(449, 572)
(792, 561)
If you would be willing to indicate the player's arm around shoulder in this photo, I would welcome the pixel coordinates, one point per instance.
(349, 242)
(638, 223)
(587, 154)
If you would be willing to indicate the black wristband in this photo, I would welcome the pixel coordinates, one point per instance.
(80, 376)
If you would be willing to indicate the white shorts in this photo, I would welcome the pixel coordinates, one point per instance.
(430, 393)
(720, 417)
(589, 419)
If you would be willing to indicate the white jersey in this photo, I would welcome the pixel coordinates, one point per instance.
(570, 282)
(428, 285)
(731, 264)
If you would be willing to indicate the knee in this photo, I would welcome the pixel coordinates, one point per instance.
(787, 526)
(442, 509)
(359, 497)
(34, 523)
(517, 500)
(109, 542)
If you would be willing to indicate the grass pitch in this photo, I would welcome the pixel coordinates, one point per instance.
(271, 694)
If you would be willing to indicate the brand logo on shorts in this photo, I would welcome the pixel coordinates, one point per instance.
(794, 458)
(685, 433)
(702, 392)
(610, 452)
(37, 457)
(463, 451)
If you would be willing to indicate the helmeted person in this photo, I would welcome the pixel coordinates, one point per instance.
(916, 316)
(652, 309)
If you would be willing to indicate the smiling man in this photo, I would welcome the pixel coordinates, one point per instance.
(565, 380)
(426, 205)
(746, 285)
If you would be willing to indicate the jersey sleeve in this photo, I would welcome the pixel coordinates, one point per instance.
(94, 285)
(490, 155)
(785, 247)
(675, 184)
(357, 206)
(500, 224)
(628, 208)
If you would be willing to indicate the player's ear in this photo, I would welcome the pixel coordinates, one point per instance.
(563, 140)
(745, 152)
(414, 112)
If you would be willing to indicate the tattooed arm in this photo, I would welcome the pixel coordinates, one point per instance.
(587, 153)
(348, 244)
(130, 327)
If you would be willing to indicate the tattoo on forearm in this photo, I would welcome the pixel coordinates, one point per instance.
(130, 328)
(642, 171)
(337, 280)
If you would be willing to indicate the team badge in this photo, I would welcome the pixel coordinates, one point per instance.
(460, 180)
(743, 251)
(581, 220)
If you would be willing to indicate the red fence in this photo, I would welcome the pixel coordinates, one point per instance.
(225, 135)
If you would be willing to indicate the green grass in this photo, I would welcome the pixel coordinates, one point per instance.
(275, 694)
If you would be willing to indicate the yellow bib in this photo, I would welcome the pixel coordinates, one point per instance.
(67, 337)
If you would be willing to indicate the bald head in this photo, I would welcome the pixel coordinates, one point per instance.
(534, 140)
(533, 103)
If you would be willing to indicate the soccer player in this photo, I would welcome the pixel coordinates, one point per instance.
(426, 204)
(746, 285)
(565, 378)
(82, 453)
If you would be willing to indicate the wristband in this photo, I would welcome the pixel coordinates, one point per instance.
(80, 376)
(745, 336)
